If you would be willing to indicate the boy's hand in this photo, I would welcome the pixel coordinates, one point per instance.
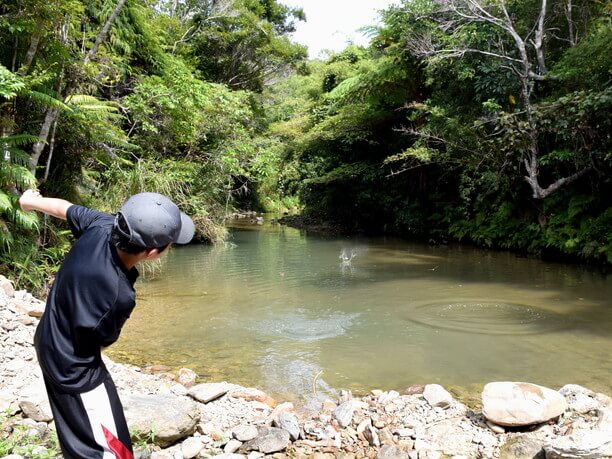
(28, 198)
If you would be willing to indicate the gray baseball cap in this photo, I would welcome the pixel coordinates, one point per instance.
(153, 220)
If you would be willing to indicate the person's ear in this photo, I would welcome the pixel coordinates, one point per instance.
(151, 254)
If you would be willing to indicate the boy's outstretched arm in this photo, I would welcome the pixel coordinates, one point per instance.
(33, 200)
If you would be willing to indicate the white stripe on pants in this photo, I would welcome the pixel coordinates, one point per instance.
(99, 412)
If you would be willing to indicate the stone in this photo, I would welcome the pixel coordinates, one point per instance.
(391, 452)
(7, 286)
(36, 309)
(344, 413)
(256, 396)
(177, 419)
(269, 440)
(232, 446)
(38, 410)
(186, 377)
(526, 446)
(286, 407)
(244, 432)
(579, 399)
(229, 456)
(495, 428)
(162, 455)
(371, 435)
(583, 444)
(437, 396)
(386, 397)
(289, 422)
(207, 392)
(191, 447)
(328, 406)
(520, 403)
(414, 389)
(7, 402)
(451, 439)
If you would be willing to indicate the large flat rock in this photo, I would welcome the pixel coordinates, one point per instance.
(520, 404)
(164, 419)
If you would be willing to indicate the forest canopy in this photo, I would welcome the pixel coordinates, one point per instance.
(473, 120)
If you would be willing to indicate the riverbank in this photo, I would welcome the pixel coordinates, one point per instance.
(220, 419)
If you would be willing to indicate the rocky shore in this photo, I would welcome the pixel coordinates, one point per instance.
(172, 417)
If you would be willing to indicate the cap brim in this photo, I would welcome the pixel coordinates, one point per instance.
(187, 230)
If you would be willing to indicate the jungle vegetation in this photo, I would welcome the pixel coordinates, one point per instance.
(484, 121)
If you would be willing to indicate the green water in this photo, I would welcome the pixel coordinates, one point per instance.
(275, 307)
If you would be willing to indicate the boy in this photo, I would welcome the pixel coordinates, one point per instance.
(90, 300)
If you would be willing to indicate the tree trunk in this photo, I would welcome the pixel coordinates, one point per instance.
(570, 23)
(39, 146)
(51, 148)
(104, 31)
(539, 40)
(29, 57)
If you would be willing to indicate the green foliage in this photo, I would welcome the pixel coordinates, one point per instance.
(245, 42)
(19, 439)
(10, 84)
(433, 145)
(588, 65)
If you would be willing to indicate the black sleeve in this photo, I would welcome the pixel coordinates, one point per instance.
(80, 218)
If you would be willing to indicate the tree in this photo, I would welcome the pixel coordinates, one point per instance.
(246, 46)
(523, 51)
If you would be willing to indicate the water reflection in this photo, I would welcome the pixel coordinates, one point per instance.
(274, 307)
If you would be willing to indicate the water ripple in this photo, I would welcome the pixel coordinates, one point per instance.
(304, 325)
(488, 317)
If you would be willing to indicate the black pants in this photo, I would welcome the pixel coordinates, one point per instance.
(90, 425)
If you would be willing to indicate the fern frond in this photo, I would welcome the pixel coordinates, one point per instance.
(16, 175)
(5, 202)
(24, 220)
(6, 238)
(18, 156)
(98, 108)
(47, 100)
(18, 139)
(81, 99)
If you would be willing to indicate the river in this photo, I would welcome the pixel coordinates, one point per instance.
(297, 314)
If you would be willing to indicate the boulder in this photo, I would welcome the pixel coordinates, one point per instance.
(177, 419)
(520, 403)
(582, 444)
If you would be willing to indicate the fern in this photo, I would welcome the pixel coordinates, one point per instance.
(47, 100)
(18, 140)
